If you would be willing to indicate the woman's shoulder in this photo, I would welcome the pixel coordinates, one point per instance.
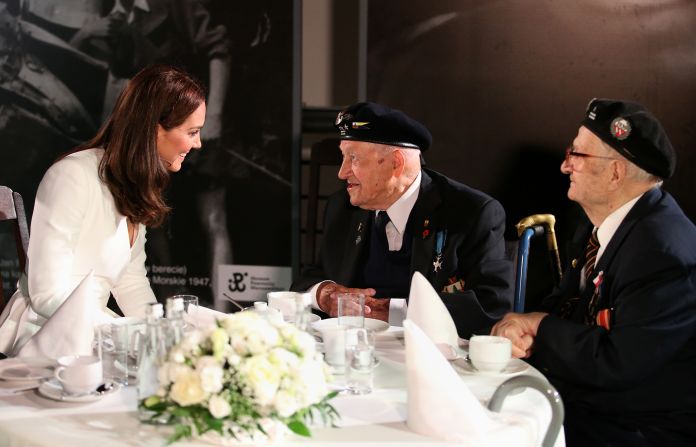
(79, 167)
(83, 160)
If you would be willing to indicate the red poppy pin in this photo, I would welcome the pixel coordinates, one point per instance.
(426, 232)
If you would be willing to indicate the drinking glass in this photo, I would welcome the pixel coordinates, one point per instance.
(351, 309)
(359, 360)
(190, 310)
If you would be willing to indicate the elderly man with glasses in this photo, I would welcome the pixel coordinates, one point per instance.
(619, 340)
(394, 218)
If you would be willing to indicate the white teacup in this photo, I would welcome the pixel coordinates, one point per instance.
(79, 374)
(489, 353)
(285, 302)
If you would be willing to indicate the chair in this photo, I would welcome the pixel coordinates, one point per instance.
(527, 228)
(12, 209)
(323, 153)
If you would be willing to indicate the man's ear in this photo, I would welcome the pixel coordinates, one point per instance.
(618, 173)
(398, 162)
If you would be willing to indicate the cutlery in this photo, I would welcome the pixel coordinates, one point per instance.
(229, 298)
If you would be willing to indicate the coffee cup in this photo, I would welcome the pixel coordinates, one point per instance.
(79, 374)
(489, 353)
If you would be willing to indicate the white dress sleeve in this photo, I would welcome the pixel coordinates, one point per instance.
(61, 200)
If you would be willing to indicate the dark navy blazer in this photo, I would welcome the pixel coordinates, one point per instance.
(641, 373)
(472, 226)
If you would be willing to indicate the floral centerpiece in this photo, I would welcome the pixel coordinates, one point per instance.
(247, 378)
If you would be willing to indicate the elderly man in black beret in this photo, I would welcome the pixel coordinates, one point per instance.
(394, 218)
(620, 340)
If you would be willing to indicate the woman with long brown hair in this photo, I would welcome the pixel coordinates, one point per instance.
(93, 205)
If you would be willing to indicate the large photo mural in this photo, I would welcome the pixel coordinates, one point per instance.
(64, 62)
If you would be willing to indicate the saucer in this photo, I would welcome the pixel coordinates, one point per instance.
(26, 369)
(515, 367)
(371, 324)
(54, 390)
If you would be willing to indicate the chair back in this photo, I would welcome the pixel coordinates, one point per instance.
(12, 209)
(323, 153)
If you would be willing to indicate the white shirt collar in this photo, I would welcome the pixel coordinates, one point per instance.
(611, 223)
(401, 209)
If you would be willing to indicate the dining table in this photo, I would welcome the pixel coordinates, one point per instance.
(28, 419)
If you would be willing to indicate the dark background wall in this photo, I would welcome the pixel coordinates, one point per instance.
(503, 85)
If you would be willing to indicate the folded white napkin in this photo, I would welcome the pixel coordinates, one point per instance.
(70, 330)
(441, 406)
(206, 317)
(428, 312)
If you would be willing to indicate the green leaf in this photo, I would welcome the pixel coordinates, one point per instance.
(299, 428)
(180, 431)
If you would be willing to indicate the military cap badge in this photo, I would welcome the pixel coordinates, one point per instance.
(620, 128)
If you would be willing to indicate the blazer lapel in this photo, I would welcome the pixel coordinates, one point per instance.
(644, 204)
(358, 237)
(424, 221)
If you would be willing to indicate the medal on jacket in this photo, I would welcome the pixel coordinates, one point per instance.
(439, 245)
(358, 239)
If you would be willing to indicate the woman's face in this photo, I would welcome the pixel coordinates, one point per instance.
(174, 144)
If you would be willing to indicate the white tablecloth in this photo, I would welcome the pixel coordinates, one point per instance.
(28, 419)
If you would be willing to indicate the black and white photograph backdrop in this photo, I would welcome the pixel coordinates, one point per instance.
(62, 65)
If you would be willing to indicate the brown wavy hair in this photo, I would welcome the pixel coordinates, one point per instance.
(131, 167)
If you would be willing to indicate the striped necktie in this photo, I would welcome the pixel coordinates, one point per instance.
(567, 308)
(591, 257)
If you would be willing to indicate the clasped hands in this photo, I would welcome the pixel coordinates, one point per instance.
(521, 329)
(327, 299)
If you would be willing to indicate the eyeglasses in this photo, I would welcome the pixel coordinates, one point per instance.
(571, 153)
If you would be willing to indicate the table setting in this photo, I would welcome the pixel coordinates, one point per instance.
(379, 384)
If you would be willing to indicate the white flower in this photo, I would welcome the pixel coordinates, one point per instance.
(219, 407)
(191, 343)
(262, 377)
(220, 341)
(187, 389)
(283, 359)
(285, 403)
(210, 373)
(271, 364)
(177, 355)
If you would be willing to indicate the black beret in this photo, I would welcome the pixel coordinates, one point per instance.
(375, 123)
(634, 132)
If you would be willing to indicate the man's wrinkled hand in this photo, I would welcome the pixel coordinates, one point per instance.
(327, 297)
(520, 329)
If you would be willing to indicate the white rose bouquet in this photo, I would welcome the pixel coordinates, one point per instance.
(246, 378)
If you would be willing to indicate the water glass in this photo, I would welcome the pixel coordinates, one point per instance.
(190, 310)
(359, 360)
(351, 309)
(117, 346)
(302, 311)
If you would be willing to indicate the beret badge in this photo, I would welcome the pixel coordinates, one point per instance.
(620, 128)
(342, 120)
